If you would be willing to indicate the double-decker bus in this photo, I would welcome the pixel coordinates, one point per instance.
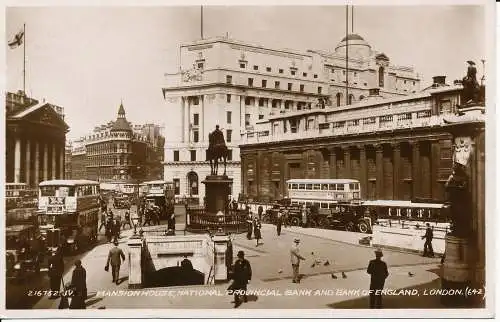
(160, 193)
(18, 195)
(71, 206)
(323, 192)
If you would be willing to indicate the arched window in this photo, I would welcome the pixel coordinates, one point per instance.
(381, 76)
(351, 99)
(192, 179)
(339, 98)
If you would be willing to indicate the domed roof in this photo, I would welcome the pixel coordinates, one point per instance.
(121, 123)
(352, 37)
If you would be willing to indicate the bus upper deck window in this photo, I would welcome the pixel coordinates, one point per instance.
(302, 186)
(309, 186)
(324, 187)
(316, 187)
(351, 186)
(324, 205)
(332, 186)
(294, 186)
(289, 186)
(340, 187)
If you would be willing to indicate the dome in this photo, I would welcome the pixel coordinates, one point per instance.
(121, 123)
(357, 46)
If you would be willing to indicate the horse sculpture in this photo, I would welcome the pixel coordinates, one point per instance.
(217, 151)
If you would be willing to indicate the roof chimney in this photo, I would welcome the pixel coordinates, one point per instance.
(439, 80)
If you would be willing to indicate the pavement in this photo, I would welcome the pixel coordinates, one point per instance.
(272, 276)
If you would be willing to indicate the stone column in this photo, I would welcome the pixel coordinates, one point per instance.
(333, 163)
(415, 165)
(435, 158)
(396, 149)
(45, 161)
(17, 161)
(347, 161)
(61, 162)
(379, 150)
(202, 137)
(188, 119)
(183, 112)
(53, 176)
(363, 171)
(242, 114)
(28, 163)
(134, 263)
(37, 164)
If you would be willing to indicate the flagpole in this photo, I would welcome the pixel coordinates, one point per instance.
(24, 59)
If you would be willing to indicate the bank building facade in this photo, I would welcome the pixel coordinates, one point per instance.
(239, 86)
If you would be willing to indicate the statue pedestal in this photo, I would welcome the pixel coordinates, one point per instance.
(220, 247)
(134, 262)
(217, 191)
(459, 273)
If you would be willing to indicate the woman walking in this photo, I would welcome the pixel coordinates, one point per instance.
(256, 230)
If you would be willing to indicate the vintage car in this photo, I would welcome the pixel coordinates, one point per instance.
(121, 202)
(24, 251)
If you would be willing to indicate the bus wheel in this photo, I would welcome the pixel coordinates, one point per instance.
(295, 221)
(363, 227)
(349, 226)
(323, 223)
(313, 223)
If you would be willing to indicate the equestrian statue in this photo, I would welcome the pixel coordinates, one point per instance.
(217, 150)
(473, 93)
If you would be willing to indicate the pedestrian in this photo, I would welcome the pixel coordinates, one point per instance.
(257, 226)
(116, 229)
(109, 229)
(428, 251)
(103, 221)
(235, 205)
(279, 222)
(285, 218)
(171, 217)
(79, 285)
(56, 270)
(115, 257)
(304, 216)
(242, 274)
(126, 222)
(260, 210)
(295, 258)
(378, 271)
(249, 227)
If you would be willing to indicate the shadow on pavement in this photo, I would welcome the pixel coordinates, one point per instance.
(121, 280)
(93, 301)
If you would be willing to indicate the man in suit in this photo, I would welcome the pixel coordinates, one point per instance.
(115, 257)
(279, 222)
(79, 284)
(428, 251)
(295, 258)
(377, 268)
(242, 273)
(56, 270)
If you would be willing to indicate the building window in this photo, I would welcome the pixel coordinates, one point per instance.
(196, 136)
(250, 82)
(229, 155)
(381, 76)
(193, 155)
(261, 101)
(242, 65)
(200, 65)
(228, 135)
(196, 119)
(229, 79)
(304, 74)
(248, 100)
(287, 104)
(274, 103)
(255, 67)
(261, 116)
(280, 71)
(192, 179)
(339, 98)
(289, 86)
(228, 98)
(264, 83)
(350, 99)
(176, 155)
(315, 75)
(268, 69)
(301, 88)
(247, 119)
(319, 89)
(292, 72)
(177, 187)
(196, 100)
(276, 84)
(228, 117)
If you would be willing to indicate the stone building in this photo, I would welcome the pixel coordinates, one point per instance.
(35, 139)
(395, 146)
(119, 152)
(236, 85)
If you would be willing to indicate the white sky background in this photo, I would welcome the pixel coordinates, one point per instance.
(86, 59)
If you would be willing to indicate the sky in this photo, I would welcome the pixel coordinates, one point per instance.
(89, 59)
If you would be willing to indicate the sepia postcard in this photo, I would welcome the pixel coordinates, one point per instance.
(321, 159)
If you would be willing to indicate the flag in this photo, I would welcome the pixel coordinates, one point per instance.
(17, 40)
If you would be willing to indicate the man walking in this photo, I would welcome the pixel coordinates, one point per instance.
(242, 273)
(79, 284)
(103, 221)
(279, 222)
(295, 258)
(126, 222)
(378, 271)
(115, 257)
(56, 270)
(428, 251)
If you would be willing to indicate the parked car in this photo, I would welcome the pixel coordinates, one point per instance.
(24, 251)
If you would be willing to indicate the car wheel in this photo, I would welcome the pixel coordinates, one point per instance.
(313, 224)
(363, 227)
(295, 221)
(349, 226)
